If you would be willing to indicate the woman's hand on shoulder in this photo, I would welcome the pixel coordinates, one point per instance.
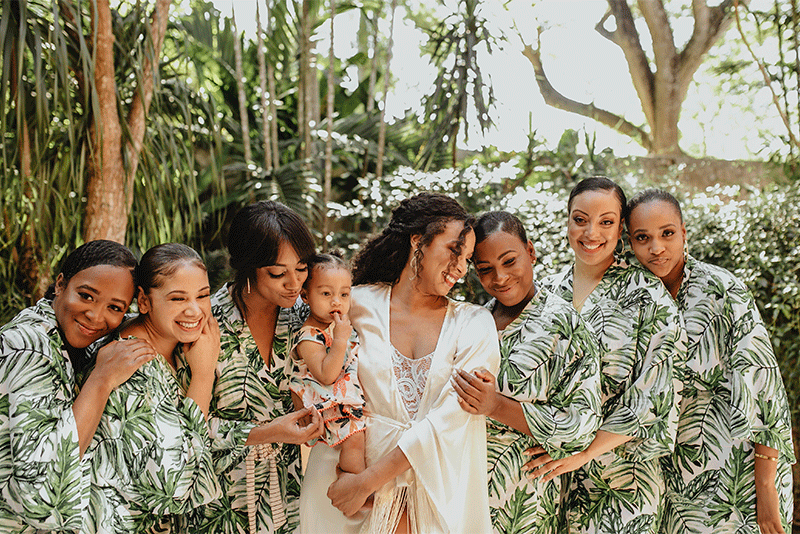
(202, 354)
(118, 360)
(295, 428)
(477, 391)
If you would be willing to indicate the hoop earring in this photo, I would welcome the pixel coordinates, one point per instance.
(619, 250)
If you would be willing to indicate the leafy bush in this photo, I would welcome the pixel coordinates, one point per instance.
(754, 235)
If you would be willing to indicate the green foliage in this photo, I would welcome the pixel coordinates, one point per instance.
(48, 91)
(754, 235)
(454, 45)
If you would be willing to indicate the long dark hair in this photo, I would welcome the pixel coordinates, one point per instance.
(92, 254)
(254, 239)
(163, 260)
(600, 183)
(383, 257)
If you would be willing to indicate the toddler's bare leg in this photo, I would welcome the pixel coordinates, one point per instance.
(351, 455)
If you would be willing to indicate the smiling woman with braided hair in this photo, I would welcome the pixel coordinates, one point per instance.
(426, 457)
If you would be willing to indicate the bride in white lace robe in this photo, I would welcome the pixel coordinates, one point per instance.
(425, 456)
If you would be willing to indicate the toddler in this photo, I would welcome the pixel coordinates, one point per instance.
(325, 363)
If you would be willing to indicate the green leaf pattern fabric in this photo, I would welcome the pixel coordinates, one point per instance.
(732, 397)
(550, 364)
(151, 456)
(638, 328)
(43, 482)
(247, 391)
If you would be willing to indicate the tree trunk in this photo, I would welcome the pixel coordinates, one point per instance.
(106, 198)
(386, 75)
(266, 141)
(29, 257)
(310, 82)
(273, 112)
(243, 117)
(302, 71)
(373, 69)
(110, 184)
(326, 195)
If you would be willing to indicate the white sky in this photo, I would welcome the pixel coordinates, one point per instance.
(580, 63)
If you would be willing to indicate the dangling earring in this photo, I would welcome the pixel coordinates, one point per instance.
(248, 286)
(685, 250)
(414, 263)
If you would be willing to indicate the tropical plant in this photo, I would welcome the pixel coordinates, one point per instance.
(53, 115)
(454, 46)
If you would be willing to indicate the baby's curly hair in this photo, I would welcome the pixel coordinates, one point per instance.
(384, 257)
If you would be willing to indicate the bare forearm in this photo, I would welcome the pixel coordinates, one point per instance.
(605, 441)
(384, 470)
(200, 390)
(510, 412)
(768, 508)
(765, 468)
(332, 362)
(88, 409)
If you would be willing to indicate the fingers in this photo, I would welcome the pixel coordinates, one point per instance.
(463, 394)
(553, 474)
(315, 426)
(536, 463)
(485, 375)
(465, 382)
(534, 451)
(467, 407)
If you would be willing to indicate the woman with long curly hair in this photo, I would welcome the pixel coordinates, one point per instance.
(426, 456)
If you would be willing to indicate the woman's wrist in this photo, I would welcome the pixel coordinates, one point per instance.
(259, 435)
(202, 375)
(100, 383)
(366, 480)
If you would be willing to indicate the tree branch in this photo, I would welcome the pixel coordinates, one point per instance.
(601, 28)
(765, 74)
(655, 16)
(710, 23)
(553, 98)
(627, 38)
(144, 95)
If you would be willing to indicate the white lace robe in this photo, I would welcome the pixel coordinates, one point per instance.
(445, 491)
(446, 486)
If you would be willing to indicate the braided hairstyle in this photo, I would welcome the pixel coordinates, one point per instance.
(92, 254)
(384, 257)
(254, 240)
